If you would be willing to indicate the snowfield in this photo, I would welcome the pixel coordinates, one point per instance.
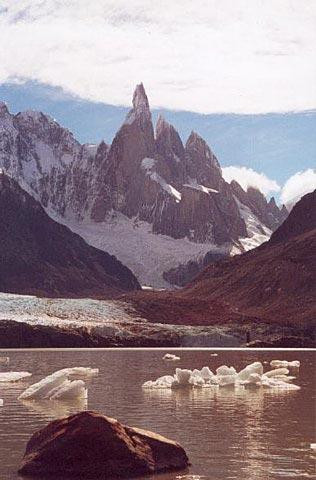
(148, 255)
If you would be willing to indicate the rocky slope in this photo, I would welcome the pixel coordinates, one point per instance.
(274, 283)
(40, 256)
(147, 192)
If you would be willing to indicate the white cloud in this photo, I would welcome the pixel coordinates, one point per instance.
(297, 186)
(247, 177)
(203, 55)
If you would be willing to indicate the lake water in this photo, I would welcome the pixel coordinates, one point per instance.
(252, 434)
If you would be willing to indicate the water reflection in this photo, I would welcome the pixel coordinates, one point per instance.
(53, 409)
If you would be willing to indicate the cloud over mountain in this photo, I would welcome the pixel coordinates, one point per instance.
(214, 56)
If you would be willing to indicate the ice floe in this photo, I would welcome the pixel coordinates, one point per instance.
(13, 376)
(58, 385)
(285, 363)
(169, 357)
(226, 376)
(1, 402)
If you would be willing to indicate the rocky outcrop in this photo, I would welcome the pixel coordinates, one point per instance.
(268, 213)
(23, 335)
(40, 256)
(302, 219)
(185, 273)
(91, 445)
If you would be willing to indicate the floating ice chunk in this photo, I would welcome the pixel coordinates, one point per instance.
(224, 370)
(253, 379)
(70, 390)
(13, 376)
(196, 381)
(170, 357)
(214, 354)
(285, 378)
(42, 389)
(1, 402)
(79, 371)
(277, 372)
(4, 360)
(58, 386)
(255, 367)
(285, 363)
(162, 382)
(277, 384)
(313, 446)
(206, 373)
(226, 380)
(183, 376)
(251, 375)
(148, 384)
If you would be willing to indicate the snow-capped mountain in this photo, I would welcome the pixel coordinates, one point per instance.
(146, 198)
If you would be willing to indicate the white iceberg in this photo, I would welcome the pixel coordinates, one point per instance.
(169, 357)
(226, 380)
(277, 372)
(79, 371)
(44, 387)
(252, 375)
(245, 373)
(1, 402)
(183, 376)
(285, 364)
(58, 386)
(206, 373)
(13, 376)
(224, 370)
(276, 383)
(70, 390)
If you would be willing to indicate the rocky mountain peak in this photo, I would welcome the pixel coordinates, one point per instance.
(140, 100)
(195, 143)
(140, 113)
(162, 125)
(3, 109)
(302, 219)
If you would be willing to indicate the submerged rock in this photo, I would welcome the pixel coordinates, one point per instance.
(90, 445)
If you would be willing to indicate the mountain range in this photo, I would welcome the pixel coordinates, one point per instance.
(153, 202)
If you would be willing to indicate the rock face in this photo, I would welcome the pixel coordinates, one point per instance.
(145, 175)
(301, 219)
(275, 282)
(40, 256)
(90, 445)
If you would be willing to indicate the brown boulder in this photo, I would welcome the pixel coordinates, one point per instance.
(89, 445)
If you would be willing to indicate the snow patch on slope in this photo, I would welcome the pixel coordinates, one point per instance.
(148, 165)
(148, 255)
(196, 186)
(258, 233)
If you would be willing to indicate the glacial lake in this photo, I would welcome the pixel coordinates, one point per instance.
(255, 434)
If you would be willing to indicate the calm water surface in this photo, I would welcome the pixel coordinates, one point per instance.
(251, 434)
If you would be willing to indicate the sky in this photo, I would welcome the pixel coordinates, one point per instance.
(237, 70)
